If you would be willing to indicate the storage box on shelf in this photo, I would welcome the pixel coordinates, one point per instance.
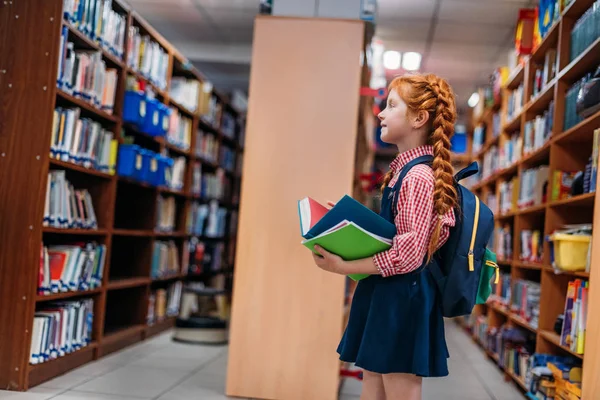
(102, 156)
(546, 204)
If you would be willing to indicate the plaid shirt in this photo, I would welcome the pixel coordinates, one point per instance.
(415, 218)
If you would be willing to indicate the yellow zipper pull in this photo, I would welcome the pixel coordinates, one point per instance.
(497, 275)
(471, 259)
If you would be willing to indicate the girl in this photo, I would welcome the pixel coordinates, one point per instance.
(395, 332)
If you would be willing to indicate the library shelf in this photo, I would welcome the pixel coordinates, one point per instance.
(517, 379)
(579, 274)
(549, 41)
(166, 278)
(537, 156)
(514, 124)
(505, 216)
(485, 147)
(585, 62)
(117, 338)
(159, 327)
(523, 323)
(507, 172)
(170, 234)
(582, 132)
(576, 8)
(582, 200)
(182, 108)
(533, 210)
(528, 265)
(133, 232)
(554, 338)
(82, 232)
(85, 106)
(538, 104)
(176, 149)
(79, 168)
(516, 77)
(158, 91)
(43, 372)
(136, 183)
(127, 283)
(174, 192)
(81, 40)
(40, 298)
(209, 126)
(499, 309)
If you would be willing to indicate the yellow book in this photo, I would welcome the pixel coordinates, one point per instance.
(574, 388)
(515, 193)
(112, 159)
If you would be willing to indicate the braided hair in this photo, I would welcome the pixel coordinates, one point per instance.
(434, 95)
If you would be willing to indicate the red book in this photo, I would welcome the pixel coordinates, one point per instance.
(310, 213)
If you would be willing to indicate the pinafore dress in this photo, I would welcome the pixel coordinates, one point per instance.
(396, 323)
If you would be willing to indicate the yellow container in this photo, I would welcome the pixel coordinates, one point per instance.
(570, 251)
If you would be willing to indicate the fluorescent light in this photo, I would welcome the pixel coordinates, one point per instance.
(391, 59)
(473, 100)
(411, 61)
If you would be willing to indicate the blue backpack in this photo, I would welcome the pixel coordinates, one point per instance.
(463, 266)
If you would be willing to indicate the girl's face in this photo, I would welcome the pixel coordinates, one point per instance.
(395, 121)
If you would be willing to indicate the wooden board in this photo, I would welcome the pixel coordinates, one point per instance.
(301, 137)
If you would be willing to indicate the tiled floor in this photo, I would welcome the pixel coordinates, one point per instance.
(163, 370)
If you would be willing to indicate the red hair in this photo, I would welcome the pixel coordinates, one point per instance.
(434, 95)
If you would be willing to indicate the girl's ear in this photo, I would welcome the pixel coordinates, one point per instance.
(421, 119)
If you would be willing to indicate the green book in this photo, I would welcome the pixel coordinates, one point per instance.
(351, 242)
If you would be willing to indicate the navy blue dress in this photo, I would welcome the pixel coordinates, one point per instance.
(396, 323)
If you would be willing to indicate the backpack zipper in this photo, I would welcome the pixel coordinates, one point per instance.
(471, 256)
(494, 265)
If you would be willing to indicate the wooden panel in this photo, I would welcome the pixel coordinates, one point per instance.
(26, 102)
(301, 137)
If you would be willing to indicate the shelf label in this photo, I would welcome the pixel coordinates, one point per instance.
(143, 108)
(155, 118)
(138, 162)
(153, 165)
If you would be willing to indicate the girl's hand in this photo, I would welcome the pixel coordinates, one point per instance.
(328, 261)
(331, 204)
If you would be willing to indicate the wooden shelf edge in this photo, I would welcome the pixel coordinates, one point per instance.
(520, 321)
(122, 333)
(89, 42)
(160, 327)
(546, 95)
(87, 106)
(78, 168)
(555, 339)
(515, 77)
(575, 200)
(528, 265)
(128, 283)
(82, 232)
(590, 122)
(592, 50)
(66, 295)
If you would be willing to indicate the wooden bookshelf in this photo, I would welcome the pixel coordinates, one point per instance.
(126, 209)
(565, 150)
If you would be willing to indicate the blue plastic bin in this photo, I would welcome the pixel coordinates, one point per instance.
(134, 109)
(458, 143)
(126, 165)
(162, 163)
(165, 119)
(144, 173)
(152, 121)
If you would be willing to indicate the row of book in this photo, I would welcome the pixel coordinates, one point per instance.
(509, 195)
(166, 213)
(227, 160)
(545, 73)
(180, 130)
(165, 260)
(97, 20)
(525, 300)
(71, 268)
(208, 220)
(213, 112)
(207, 146)
(585, 31)
(533, 186)
(503, 242)
(510, 151)
(516, 99)
(163, 303)
(228, 125)
(66, 207)
(210, 185)
(147, 57)
(175, 175)
(572, 118)
(532, 246)
(185, 92)
(501, 291)
(60, 328)
(575, 316)
(202, 257)
(538, 131)
(83, 74)
(82, 141)
(490, 162)
(479, 137)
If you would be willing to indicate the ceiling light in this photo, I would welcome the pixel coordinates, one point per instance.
(391, 59)
(411, 61)
(473, 100)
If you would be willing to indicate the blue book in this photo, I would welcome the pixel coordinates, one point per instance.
(347, 209)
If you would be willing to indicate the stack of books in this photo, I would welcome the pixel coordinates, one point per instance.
(166, 209)
(180, 130)
(533, 190)
(538, 131)
(67, 207)
(165, 260)
(585, 31)
(349, 229)
(532, 246)
(207, 146)
(575, 316)
(503, 245)
(71, 268)
(525, 301)
(185, 92)
(515, 102)
(147, 57)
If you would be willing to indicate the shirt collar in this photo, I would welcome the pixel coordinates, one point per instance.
(404, 158)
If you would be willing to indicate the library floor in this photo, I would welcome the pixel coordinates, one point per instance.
(163, 370)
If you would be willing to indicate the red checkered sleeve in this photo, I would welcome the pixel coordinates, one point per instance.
(415, 221)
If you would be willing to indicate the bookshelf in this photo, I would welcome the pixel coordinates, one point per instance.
(126, 210)
(565, 147)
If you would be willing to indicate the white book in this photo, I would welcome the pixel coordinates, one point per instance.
(35, 341)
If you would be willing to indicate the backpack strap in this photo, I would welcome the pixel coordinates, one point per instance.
(466, 172)
(427, 159)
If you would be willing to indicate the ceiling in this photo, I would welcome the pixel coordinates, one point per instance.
(461, 40)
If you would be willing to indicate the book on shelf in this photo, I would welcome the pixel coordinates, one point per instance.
(207, 146)
(228, 125)
(525, 300)
(532, 246)
(166, 210)
(575, 316)
(538, 131)
(98, 21)
(204, 99)
(165, 260)
(479, 137)
(207, 220)
(534, 183)
(60, 328)
(164, 303)
(571, 116)
(515, 101)
(204, 257)
(593, 164)
(84, 75)
(175, 175)
(82, 141)
(180, 130)
(213, 112)
(197, 178)
(501, 290)
(490, 162)
(185, 92)
(71, 268)
(227, 159)
(503, 243)
(562, 184)
(147, 57)
(510, 151)
(66, 207)
(585, 30)
(213, 185)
